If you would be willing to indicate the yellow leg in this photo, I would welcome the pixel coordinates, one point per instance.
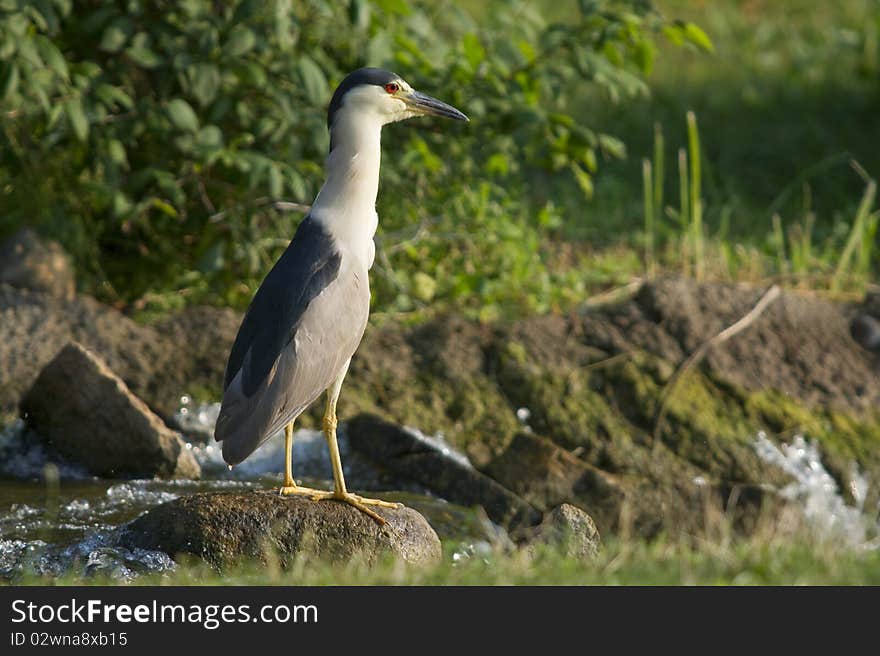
(340, 493)
(289, 487)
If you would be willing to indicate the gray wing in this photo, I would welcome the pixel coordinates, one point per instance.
(307, 266)
(302, 328)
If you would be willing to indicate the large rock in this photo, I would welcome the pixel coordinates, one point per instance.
(545, 475)
(225, 528)
(407, 455)
(87, 413)
(28, 262)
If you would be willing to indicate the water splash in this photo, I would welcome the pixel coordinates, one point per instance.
(22, 455)
(96, 554)
(816, 491)
(76, 532)
(197, 421)
(438, 443)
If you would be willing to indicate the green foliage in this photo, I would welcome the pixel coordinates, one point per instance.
(844, 263)
(768, 559)
(786, 103)
(151, 138)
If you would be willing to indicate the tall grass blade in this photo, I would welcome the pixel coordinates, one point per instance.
(696, 202)
(648, 194)
(683, 200)
(857, 236)
(658, 164)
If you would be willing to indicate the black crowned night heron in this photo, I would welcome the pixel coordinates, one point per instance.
(307, 318)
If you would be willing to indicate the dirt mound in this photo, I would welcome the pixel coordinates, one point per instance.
(801, 346)
(187, 351)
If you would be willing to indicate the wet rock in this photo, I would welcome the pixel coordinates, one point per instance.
(28, 262)
(225, 528)
(88, 415)
(865, 329)
(569, 529)
(405, 454)
(545, 475)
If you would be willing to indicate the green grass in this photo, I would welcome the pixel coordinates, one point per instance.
(785, 149)
(755, 561)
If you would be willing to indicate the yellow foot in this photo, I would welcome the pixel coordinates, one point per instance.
(292, 489)
(361, 503)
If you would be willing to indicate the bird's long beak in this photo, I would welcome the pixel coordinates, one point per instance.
(425, 104)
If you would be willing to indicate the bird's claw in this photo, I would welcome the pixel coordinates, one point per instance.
(361, 503)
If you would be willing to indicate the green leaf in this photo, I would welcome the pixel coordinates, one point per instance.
(204, 82)
(424, 287)
(695, 34)
(165, 208)
(583, 179)
(52, 56)
(143, 56)
(359, 13)
(473, 50)
(182, 115)
(116, 35)
(76, 115)
(209, 136)
(612, 146)
(313, 79)
(590, 160)
(121, 204)
(251, 73)
(116, 151)
(674, 33)
(380, 48)
(400, 7)
(276, 181)
(241, 40)
(9, 81)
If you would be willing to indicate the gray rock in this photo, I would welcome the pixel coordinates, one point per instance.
(569, 529)
(403, 453)
(28, 262)
(225, 528)
(88, 415)
(545, 476)
(865, 329)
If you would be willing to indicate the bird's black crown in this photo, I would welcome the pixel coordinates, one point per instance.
(376, 76)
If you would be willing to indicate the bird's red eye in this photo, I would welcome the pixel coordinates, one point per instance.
(392, 87)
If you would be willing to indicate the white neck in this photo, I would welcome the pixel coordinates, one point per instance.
(346, 204)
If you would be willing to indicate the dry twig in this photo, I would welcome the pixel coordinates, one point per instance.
(769, 296)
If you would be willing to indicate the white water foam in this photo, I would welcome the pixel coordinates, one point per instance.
(438, 443)
(816, 491)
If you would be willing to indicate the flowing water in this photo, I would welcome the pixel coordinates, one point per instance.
(56, 519)
(817, 494)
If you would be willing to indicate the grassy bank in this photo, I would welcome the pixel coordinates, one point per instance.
(784, 108)
(758, 561)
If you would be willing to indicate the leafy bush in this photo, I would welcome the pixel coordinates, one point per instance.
(152, 138)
